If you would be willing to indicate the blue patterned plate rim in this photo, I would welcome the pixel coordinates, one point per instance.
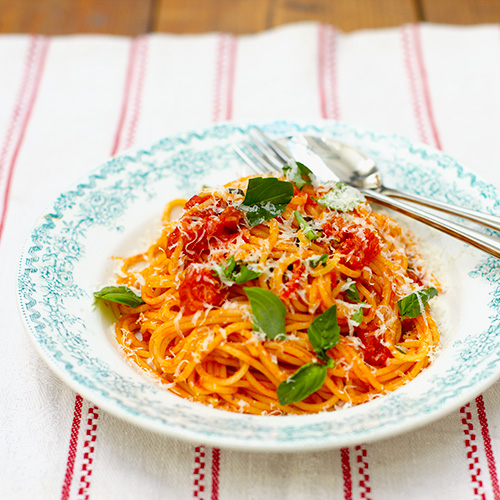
(62, 262)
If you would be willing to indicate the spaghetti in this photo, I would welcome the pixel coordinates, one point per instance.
(323, 251)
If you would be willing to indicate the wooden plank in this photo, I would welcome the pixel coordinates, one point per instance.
(199, 16)
(347, 15)
(133, 17)
(57, 17)
(461, 11)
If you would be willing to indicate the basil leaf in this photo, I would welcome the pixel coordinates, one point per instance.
(237, 272)
(306, 380)
(298, 173)
(257, 214)
(268, 190)
(357, 317)
(268, 312)
(245, 274)
(266, 197)
(341, 197)
(326, 359)
(352, 292)
(227, 270)
(316, 261)
(324, 332)
(306, 228)
(235, 191)
(413, 305)
(120, 295)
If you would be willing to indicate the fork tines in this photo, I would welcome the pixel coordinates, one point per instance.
(261, 154)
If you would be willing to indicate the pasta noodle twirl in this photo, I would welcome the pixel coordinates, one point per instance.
(196, 329)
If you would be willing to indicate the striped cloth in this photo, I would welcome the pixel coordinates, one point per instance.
(68, 103)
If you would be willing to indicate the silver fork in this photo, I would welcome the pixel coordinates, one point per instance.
(264, 156)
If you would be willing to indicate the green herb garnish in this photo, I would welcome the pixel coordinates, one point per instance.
(352, 293)
(413, 305)
(236, 271)
(120, 295)
(298, 173)
(341, 197)
(314, 262)
(268, 312)
(357, 317)
(306, 380)
(309, 233)
(266, 197)
(324, 333)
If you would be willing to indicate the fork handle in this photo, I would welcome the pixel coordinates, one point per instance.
(465, 234)
(488, 220)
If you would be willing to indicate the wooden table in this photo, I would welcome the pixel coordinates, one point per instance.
(133, 17)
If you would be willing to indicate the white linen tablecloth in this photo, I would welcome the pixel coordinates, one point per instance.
(68, 103)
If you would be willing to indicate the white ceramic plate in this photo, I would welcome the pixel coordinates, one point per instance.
(111, 212)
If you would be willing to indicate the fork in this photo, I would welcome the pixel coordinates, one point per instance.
(264, 156)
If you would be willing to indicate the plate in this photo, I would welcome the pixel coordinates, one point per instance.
(114, 211)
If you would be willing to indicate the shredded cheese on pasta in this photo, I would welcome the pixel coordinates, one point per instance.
(195, 330)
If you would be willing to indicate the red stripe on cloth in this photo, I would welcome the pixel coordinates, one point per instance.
(73, 443)
(32, 77)
(137, 45)
(419, 115)
(219, 66)
(225, 69)
(330, 109)
(346, 473)
(321, 69)
(425, 83)
(490, 457)
(215, 473)
(199, 472)
(470, 436)
(20, 103)
(231, 73)
(471, 449)
(223, 99)
(126, 95)
(139, 71)
(327, 72)
(88, 452)
(364, 476)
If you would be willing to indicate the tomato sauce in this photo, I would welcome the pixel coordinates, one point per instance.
(358, 244)
(201, 288)
(374, 352)
(205, 228)
(416, 277)
(202, 229)
(293, 283)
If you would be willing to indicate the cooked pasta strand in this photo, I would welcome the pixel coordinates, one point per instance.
(195, 329)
